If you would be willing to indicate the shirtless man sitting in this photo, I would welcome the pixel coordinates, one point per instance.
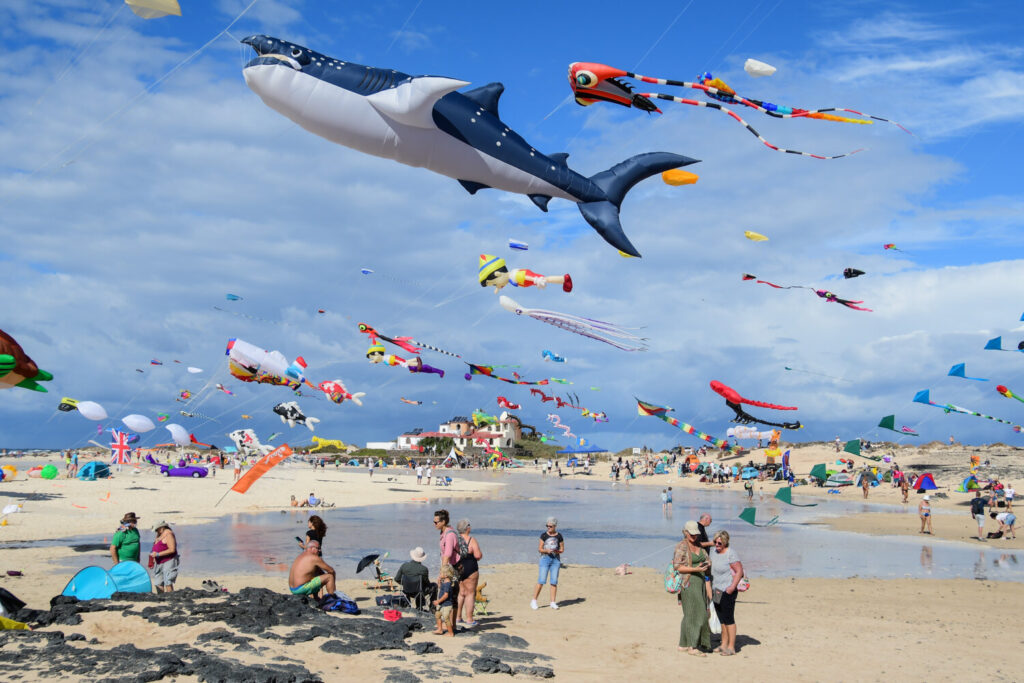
(301, 579)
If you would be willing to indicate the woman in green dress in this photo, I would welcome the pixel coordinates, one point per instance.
(691, 560)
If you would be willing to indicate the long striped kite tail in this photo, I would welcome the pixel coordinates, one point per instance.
(858, 113)
(753, 131)
(434, 348)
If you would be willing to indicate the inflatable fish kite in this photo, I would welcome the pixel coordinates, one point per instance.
(423, 121)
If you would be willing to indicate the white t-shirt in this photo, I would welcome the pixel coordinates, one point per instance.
(1009, 494)
(429, 471)
(419, 471)
(1001, 517)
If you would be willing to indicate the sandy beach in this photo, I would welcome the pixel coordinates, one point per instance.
(609, 627)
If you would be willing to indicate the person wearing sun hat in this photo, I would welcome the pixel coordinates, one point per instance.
(125, 544)
(415, 568)
(164, 558)
(494, 273)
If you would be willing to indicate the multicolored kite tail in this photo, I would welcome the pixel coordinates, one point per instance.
(925, 398)
(593, 82)
(488, 370)
(828, 296)
(660, 412)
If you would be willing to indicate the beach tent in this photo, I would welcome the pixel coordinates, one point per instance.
(93, 471)
(969, 484)
(840, 479)
(819, 472)
(96, 582)
(924, 482)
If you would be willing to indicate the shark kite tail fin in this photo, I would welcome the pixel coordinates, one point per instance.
(603, 215)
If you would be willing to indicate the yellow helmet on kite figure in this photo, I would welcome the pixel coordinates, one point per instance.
(494, 273)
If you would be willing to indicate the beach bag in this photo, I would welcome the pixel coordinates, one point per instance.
(398, 600)
(743, 585)
(673, 579)
(713, 622)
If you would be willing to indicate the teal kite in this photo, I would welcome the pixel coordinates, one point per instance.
(889, 422)
(785, 494)
(749, 514)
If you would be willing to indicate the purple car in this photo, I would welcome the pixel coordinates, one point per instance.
(186, 471)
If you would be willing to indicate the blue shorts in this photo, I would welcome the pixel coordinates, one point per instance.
(548, 570)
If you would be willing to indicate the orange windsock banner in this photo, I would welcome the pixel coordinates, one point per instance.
(261, 467)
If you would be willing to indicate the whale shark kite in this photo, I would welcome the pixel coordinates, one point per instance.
(422, 121)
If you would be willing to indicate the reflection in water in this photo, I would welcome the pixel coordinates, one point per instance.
(980, 566)
(603, 525)
(1005, 561)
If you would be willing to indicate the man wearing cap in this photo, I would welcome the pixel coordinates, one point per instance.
(125, 543)
(415, 568)
(494, 273)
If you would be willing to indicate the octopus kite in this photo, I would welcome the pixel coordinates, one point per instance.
(593, 83)
(494, 273)
(609, 333)
(376, 354)
(733, 400)
(822, 293)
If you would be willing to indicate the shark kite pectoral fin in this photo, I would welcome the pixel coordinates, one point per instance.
(412, 103)
(472, 186)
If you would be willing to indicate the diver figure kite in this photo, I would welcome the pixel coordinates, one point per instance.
(377, 354)
(494, 273)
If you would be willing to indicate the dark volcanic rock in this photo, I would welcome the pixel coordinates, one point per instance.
(401, 677)
(503, 640)
(490, 665)
(535, 671)
(426, 647)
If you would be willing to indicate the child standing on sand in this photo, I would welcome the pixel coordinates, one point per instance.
(444, 600)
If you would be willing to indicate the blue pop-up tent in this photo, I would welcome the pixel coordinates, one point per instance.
(96, 582)
(93, 471)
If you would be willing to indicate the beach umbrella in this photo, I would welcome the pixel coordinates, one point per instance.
(366, 562)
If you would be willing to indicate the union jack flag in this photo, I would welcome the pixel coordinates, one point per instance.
(120, 451)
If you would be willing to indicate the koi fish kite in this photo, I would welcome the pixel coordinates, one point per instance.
(423, 121)
(609, 333)
(822, 293)
(925, 398)
(733, 400)
(661, 412)
(337, 392)
(592, 82)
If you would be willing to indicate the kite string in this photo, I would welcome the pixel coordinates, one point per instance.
(141, 94)
(662, 36)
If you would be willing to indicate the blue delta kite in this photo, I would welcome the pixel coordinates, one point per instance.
(422, 121)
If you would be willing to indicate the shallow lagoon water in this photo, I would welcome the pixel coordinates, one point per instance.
(603, 525)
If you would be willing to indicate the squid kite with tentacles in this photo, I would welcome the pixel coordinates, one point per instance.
(592, 82)
(609, 333)
(822, 293)
(733, 400)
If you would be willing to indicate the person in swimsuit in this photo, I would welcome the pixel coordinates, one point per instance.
(301, 579)
(164, 558)
(924, 510)
(470, 574)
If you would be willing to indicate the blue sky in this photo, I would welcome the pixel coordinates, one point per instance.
(129, 210)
